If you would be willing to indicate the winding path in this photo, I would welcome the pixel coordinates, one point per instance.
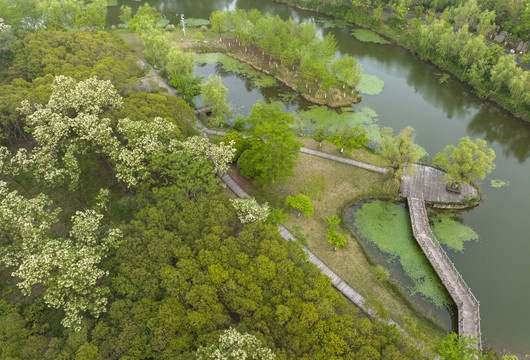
(428, 185)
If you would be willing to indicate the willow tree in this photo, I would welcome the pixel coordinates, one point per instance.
(467, 162)
(399, 152)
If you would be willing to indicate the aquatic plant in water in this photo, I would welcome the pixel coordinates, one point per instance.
(449, 231)
(387, 226)
(364, 117)
(370, 85)
(258, 78)
(197, 22)
(497, 183)
(366, 35)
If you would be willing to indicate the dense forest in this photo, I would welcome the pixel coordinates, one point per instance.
(117, 239)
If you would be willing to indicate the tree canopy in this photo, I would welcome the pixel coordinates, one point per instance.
(466, 163)
(273, 146)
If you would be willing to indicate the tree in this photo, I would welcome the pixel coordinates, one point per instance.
(349, 139)
(235, 346)
(347, 70)
(215, 98)
(179, 62)
(125, 14)
(67, 268)
(302, 203)
(333, 222)
(218, 21)
(248, 210)
(94, 15)
(336, 239)
(453, 347)
(320, 135)
(274, 149)
(399, 152)
(467, 162)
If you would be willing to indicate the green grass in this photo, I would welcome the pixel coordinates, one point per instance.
(365, 35)
(387, 226)
(370, 85)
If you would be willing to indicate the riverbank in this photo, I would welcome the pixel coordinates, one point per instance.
(253, 56)
(403, 38)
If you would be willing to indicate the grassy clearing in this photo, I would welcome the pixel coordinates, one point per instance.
(332, 187)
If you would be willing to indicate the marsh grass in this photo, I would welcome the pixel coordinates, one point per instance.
(366, 35)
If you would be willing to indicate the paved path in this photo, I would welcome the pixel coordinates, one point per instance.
(343, 160)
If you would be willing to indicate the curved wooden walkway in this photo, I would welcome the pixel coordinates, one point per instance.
(429, 185)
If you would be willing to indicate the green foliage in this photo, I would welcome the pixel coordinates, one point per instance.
(145, 18)
(387, 226)
(218, 21)
(333, 222)
(365, 35)
(348, 138)
(277, 217)
(125, 14)
(453, 347)
(466, 163)
(78, 54)
(214, 98)
(399, 152)
(320, 135)
(302, 203)
(237, 141)
(451, 232)
(370, 85)
(336, 239)
(274, 148)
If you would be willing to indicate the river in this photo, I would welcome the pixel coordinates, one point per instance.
(497, 268)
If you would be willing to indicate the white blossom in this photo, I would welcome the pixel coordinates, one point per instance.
(248, 210)
(235, 346)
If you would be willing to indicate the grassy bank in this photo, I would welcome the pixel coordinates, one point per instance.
(332, 187)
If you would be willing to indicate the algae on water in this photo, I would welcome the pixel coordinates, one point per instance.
(366, 35)
(258, 78)
(497, 183)
(387, 226)
(447, 230)
(196, 22)
(370, 85)
(364, 117)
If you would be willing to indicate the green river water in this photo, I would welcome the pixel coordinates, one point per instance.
(497, 267)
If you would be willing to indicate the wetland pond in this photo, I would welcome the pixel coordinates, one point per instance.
(497, 265)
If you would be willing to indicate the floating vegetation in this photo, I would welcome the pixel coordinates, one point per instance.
(332, 23)
(387, 226)
(365, 35)
(162, 23)
(449, 231)
(112, 2)
(332, 120)
(197, 22)
(258, 78)
(370, 85)
(497, 183)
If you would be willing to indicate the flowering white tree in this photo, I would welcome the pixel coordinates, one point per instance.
(235, 346)
(66, 127)
(248, 210)
(66, 268)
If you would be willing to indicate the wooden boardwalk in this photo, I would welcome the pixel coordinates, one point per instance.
(429, 182)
